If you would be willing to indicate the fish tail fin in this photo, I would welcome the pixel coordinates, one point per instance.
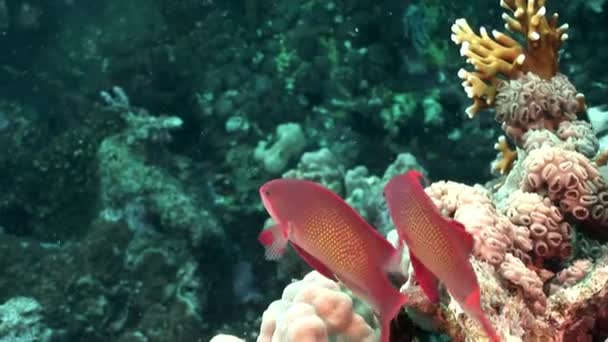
(275, 242)
(473, 307)
(389, 313)
(385, 329)
(489, 329)
(397, 305)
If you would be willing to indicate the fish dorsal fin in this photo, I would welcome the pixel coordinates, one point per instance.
(314, 262)
(418, 178)
(427, 280)
(464, 238)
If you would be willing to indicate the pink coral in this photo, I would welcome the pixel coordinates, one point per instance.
(570, 179)
(545, 233)
(580, 134)
(531, 102)
(313, 309)
(472, 207)
(575, 272)
(535, 138)
(514, 270)
(570, 135)
(571, 275)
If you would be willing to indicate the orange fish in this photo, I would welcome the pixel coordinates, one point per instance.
(439, 247)
(335, 240)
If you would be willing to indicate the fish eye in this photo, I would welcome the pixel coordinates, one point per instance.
(266, 192)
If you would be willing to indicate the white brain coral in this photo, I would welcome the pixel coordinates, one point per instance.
(314, 309)
(226, 338)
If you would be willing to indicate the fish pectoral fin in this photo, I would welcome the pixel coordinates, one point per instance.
(427, 280)
(464, 237)
(314, 263)
(274, 239)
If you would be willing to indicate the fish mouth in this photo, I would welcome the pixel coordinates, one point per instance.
(267, 203)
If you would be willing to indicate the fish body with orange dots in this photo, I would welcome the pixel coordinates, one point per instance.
(335, 240)
(439, 247)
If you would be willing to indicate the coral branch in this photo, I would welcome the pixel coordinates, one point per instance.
(506, 156)
(500, 56)
(543, 36)
(490, 57)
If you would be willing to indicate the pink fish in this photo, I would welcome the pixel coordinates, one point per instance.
(439, 247)
(335, 240)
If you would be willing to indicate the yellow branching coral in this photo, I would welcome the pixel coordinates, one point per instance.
(544, 37)
(507, 156)
(602, 158)
(503, 56)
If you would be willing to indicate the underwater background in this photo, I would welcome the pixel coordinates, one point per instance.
(135, 134)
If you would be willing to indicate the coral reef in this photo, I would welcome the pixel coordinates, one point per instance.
(290, 141)
(524, 225)
(133, 224)
(21, 320)
(127, 178)
(538, 281)
(570, 313)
